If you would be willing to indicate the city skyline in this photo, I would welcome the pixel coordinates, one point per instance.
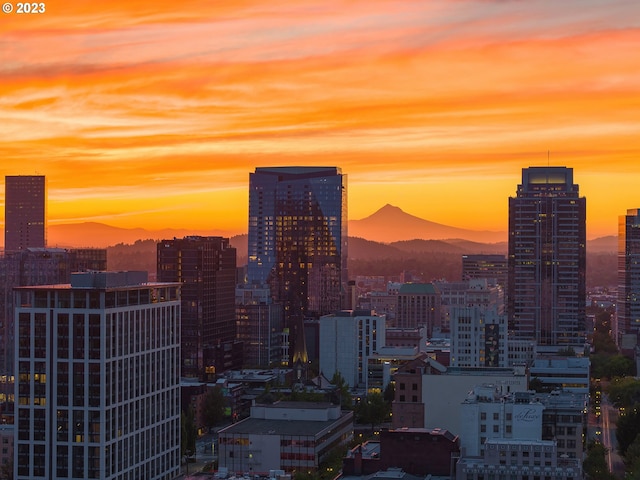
(154, 117)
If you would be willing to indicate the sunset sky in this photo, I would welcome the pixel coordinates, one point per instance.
(152, 113)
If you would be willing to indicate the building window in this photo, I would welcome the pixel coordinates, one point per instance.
(483, 416)
(495, 428)
(496, 416)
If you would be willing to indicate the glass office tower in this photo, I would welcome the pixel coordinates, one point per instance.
(298, 238)
(547, 258)
(628, 310)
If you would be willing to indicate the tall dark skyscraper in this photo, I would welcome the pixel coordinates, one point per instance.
(206, 268)
(547, 258)
(25, 212)
(298, 240)
(628, 308)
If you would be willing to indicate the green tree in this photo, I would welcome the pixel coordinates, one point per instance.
(624, 391)
(628, 428)
(595, 464)
(389, 393)
(632, 458)
(345, 399)
(372, 410)
(619, 366)
(188, 432)
(214, 405)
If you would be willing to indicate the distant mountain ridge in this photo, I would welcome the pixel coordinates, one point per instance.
(387, 227)
(392, 224)
(100, 235)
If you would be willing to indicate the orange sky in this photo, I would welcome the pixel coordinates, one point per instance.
(153, 114)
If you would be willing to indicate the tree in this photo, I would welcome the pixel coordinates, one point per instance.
(346, 401)
(372, 410)
(214, 405)
(595, 464)
(619, 366)
(632, 458)
(628, 428)
(389, 394)
(624, 391)
(188, 433)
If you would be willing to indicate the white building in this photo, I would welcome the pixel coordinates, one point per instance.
(443, 410)
(570, 374)
(97, 385)
(488, 414)
(347, 340)
(475, 312)
(519, 460)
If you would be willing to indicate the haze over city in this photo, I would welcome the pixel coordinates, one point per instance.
(152, 114)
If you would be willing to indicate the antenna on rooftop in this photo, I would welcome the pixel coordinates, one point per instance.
(548, 155)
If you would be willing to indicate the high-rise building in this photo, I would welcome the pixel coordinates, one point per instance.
(419, 305)
(98, 378)
(546, 291)
(25, 221)
(259, 325)
(206, 268)
(37, 266)
(347, 340)
(298, 241)
(628, 308)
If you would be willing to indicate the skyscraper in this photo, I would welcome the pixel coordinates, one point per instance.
(298, 240)
(628, 309)
(98, 379)
(547, 258)
(206, 268)
(25, 212)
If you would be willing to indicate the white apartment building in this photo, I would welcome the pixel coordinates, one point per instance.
(98, 377)
(519, 460)
(347, 340)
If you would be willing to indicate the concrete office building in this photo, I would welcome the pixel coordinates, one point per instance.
(347, 340)
(546, 294)
(97, 382)
(37, 266)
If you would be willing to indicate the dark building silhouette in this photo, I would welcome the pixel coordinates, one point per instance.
(547, 258)
(298, 242)
(628, 308)
(25, 212)
(206, 268)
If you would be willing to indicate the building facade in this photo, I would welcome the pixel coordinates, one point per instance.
(418, 306)
(628, 307)
(37, 266)
(284, 436)
(546, 294)
(206, 268)
(97, 383)
(485, 266)
(259, 326)
(25, 220)
(478, 327)
(347, 340)
(298, 242)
